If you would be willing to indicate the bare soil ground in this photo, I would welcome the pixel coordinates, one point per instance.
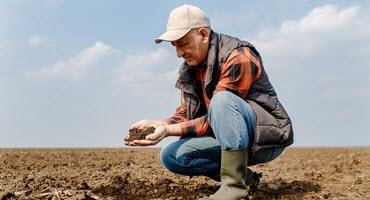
(299, 173)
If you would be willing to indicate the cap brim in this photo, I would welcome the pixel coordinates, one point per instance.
(172, 35)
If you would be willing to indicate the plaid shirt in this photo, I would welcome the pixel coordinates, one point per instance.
(237, 75)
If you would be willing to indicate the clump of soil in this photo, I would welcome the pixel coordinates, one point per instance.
(140, 134)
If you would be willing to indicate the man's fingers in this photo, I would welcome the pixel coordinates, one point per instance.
(153, 136)
(126, 139)
(144, 142)
(145, 123)
(158, 135)
(137, 124)
(134, 126)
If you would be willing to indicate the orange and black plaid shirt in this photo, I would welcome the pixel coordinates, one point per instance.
(237, 75)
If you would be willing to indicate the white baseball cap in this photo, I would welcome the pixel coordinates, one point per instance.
(181, 20)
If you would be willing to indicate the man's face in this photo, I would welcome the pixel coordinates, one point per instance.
(193, 47)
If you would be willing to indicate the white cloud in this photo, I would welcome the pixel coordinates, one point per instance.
(149, 68)
(321, 19)
(78, 66)
(322, 27)
(159, 65)
(37, 40)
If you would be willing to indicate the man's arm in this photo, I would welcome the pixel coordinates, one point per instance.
(175, 125)
(179, 129)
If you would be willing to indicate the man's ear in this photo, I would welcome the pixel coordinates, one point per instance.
(204, 33)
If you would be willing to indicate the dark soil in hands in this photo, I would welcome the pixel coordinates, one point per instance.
(140, 134)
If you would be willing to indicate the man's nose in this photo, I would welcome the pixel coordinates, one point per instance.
(179, 52)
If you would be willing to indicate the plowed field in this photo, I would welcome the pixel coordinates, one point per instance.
(299, 173)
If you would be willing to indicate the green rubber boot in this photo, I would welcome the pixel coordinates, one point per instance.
(234, 178)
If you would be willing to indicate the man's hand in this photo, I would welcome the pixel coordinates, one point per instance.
(147, 123)
(152, 139)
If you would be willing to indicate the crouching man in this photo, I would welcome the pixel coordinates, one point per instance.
(229, 118)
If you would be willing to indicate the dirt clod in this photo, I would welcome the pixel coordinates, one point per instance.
(140, 134)
(7, 196)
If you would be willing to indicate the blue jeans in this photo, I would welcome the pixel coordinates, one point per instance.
(232, 121)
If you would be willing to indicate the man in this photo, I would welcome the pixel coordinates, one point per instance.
(229, 117)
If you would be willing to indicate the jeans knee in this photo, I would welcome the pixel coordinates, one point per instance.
(165, 157)
(221, 100)
(169, 159)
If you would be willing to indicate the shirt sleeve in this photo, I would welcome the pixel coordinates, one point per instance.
(239, 72)
(195, 127)
(180, 113)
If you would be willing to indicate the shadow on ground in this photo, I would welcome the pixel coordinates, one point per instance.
(121, 187)
(279, 188)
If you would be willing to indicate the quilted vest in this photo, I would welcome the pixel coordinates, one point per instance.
(273, 125)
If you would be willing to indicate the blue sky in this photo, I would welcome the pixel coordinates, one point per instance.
(78, 73)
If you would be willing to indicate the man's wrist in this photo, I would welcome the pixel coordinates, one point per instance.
(173, 130)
